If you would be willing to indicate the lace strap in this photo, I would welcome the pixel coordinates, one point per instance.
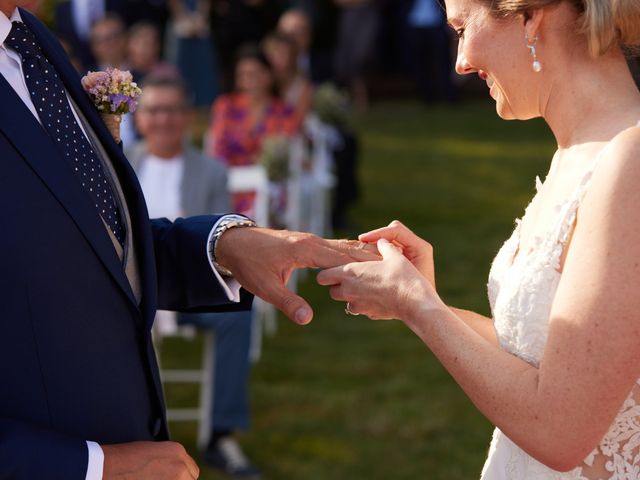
(569, 209)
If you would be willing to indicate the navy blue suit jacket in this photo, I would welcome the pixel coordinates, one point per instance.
(76, 358)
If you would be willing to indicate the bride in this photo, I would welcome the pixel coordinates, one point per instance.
(557, 367)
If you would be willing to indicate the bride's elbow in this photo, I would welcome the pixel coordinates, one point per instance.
(563, 463)
(564, 455)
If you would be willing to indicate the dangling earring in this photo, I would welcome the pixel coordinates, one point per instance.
(536, 65)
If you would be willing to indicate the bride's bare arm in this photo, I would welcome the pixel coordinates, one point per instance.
(482, 325)
(559, 411)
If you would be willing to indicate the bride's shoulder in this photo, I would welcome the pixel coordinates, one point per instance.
(626, 145)
(620, 157)
(616, 178)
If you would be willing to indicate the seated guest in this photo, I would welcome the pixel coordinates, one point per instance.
(293, 86)
(243, 120)
(144, 49)
(108, 41)
(73, 21)
(178, 180)
(297, 25)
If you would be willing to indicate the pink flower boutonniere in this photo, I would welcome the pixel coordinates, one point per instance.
(114, 93)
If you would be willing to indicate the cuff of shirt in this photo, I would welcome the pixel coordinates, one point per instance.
(230, 285)
(96, 462)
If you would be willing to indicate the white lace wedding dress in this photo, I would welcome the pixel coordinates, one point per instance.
(521, 291)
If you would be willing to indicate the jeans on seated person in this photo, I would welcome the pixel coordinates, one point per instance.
(231, 371)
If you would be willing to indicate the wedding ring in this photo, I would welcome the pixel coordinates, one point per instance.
(348, 311)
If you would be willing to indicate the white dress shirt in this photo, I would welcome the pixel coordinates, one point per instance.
(11, 70)
(161, 182)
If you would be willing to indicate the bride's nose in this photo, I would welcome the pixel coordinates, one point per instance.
(462, 65)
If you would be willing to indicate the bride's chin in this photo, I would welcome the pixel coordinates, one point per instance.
(504, 111)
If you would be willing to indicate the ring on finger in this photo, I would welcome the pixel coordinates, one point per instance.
(348, 310)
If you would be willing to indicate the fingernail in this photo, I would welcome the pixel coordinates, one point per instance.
(302, 315)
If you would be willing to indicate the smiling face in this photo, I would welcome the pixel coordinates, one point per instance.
(495, 49)
(163, 118)
(253, 78)
(108, 41)
(144, 48)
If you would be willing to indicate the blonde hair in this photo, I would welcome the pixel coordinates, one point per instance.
(606, 23)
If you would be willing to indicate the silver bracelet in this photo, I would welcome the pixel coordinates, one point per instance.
(227, 223)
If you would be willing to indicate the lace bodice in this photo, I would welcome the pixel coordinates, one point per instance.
(521, 292)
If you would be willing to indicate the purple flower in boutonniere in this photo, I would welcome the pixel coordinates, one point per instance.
(114, 93)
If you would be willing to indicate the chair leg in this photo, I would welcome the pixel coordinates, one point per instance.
(206, 389)
(260, 308)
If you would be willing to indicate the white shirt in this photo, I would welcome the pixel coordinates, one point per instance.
(161, 182)
(161, 179)
(11, 70)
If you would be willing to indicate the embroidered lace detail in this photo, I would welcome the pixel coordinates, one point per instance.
(521, 292)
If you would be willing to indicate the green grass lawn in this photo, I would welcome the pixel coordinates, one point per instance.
(347, 398)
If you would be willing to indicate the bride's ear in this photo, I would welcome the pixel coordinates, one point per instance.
(532, 20)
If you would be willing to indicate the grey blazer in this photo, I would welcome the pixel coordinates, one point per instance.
(204, 183)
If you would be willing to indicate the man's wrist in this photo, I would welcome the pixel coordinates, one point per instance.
(227, 223)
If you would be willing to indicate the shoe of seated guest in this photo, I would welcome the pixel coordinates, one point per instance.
(226, 456)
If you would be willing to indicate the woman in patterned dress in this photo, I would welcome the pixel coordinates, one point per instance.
(243, 120)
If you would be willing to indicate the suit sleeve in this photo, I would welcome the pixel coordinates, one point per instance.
(186, 282)
(28, 452)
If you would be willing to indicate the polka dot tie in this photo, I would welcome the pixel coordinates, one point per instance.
(50, 99)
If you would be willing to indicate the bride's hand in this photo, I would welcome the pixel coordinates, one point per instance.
(386, 289)
(418, 251)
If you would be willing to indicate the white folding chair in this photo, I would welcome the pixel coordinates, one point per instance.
(162, 329)
(317, 181)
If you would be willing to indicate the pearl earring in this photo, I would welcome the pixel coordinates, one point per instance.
(536, 65)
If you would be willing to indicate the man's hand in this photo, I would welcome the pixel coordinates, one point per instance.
(148, 461)
(262, 260)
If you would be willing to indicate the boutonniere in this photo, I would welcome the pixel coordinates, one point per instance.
(114, 93)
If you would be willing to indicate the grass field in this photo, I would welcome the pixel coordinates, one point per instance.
(347, 398)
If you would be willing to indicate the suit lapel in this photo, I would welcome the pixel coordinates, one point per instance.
(37, 148)
(132, 191)
(39, 151)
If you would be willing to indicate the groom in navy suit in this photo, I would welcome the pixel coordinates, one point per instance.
(84, 269)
